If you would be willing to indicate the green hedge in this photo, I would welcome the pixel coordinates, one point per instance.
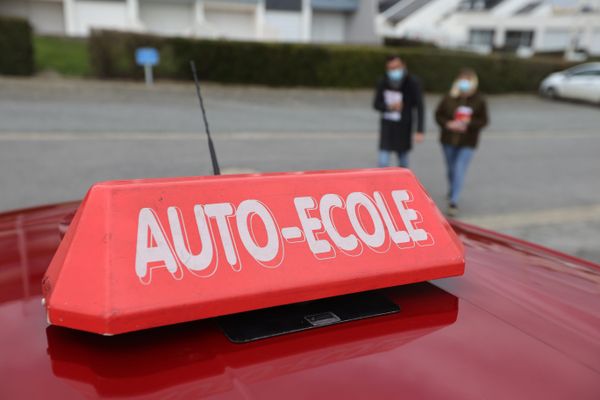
(16, 48)
(65, 55)
(112, 56)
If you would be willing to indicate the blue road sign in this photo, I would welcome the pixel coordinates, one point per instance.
(146, 56)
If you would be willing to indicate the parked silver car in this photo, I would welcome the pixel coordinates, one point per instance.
(581, 82)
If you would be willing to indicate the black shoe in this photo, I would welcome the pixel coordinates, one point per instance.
(452, 210)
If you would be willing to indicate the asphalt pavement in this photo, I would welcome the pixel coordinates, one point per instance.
(536, 174)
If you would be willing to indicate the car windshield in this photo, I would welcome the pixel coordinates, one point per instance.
(583, 68)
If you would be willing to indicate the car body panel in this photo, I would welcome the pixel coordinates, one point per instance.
(581, 82)
(522, 322)
(583, 86)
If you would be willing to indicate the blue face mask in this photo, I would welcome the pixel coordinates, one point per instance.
(395, 74)
(464, 85)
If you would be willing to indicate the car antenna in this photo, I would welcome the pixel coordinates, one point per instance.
(211, 146)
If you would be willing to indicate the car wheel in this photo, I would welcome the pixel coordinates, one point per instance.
(550, 93)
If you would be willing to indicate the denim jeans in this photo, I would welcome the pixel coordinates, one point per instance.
(384, 158)
(457, 162)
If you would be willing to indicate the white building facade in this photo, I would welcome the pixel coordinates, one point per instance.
(483, 25)
(330, 21)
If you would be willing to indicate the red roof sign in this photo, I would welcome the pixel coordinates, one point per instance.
(152, 252)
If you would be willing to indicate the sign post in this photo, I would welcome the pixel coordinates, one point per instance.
(147, 57)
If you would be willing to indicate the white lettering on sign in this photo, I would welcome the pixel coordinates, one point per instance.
(221, 213)
(248, 211)
(409, 216)
(328, 225)
(397, 236)
(311, 226)
(153, 250)
(348, 244)
(196, 263)
(357, 201)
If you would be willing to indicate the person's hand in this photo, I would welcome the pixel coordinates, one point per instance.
(451, 125)
(419, 137)
(461, 126)
(456, 126)
(396, 106)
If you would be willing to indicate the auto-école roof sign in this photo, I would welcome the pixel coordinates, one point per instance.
(151, 252)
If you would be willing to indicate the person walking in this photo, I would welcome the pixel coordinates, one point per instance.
(398, 97)
(461, 115)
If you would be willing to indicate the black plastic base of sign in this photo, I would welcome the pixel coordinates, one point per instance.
(265, 323)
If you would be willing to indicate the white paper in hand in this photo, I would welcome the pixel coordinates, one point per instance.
(392, 97)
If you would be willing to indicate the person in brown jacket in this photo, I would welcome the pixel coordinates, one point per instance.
(461, 115)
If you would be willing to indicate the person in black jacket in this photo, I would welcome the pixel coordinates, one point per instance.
(398, 97)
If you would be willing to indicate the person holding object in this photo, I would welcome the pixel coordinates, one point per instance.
(461, 115)
(397, 97)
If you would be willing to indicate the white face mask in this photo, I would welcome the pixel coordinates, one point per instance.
(395, 74)
(464, 85)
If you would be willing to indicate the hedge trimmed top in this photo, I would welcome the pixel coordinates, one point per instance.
(277, 64)
(16, 47)
(111, 55)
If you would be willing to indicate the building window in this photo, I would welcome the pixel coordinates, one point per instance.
(477, 5)
(516, 39)
(481, 37)
(284, 5)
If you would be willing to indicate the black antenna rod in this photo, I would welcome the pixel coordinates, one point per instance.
(211, 146)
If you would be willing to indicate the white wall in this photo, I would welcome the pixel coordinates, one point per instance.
(437, 21)
(508, 7)
(46, 17)
(283, 26)
(454, 29)
(555, 39)
(458, 25)
(594, 43)
(167, 18)
(14, 8)
(427, 23)
(328, 27)
(360, 25)
(231, 24)
(99, 14)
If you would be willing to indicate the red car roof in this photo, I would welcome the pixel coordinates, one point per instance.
(522, 322)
